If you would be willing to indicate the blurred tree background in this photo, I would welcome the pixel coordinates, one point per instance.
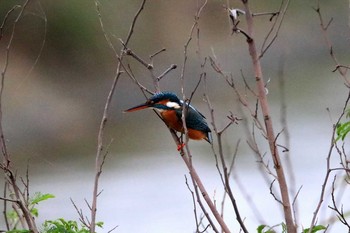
(52, 110)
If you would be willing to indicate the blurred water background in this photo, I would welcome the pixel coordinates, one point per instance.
(52, 114)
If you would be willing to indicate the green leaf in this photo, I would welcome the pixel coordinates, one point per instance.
(342, 130)
(18, 231)
(39, 197)
(284, 227)
(35, 212)
(61, 225)
(315, 229)
(99, 224)
(260, 228)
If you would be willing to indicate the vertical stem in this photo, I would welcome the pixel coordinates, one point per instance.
(6, 166)
(291, 228)
(99, 158)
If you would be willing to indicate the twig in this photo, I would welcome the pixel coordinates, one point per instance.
(342, 70)
(80, 214)
(341, 215)
(187, 156)
(328, 165)
(272, 14)
(194, 204)
(273, 194)
(11, 178)
(100, 144)
(6, 17)
(172, 67)
(340, 66)
(225, 174)
(280, 15)
(203, 191)
(156, 53)
(139, 59)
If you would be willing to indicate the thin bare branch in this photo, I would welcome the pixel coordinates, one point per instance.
(6, 17)
(80, 214)
(273, 194)
(340, 212)
(328, 165)
(194, 204)
(139, 59)
(100, 144)
(156, 53)
(172, 67)
(21, 204)
(276, 26)
(342, 70)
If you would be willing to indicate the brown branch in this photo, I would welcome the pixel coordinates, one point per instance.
(228, 186)
(342, 70)
(225, 175)
(265, 108)
(199, 201)
(139, 59)
(80, 214)
(172, 67)
(156, 53)
(328, 166)
(6, 17)
(21, 203)
(340, 213)
(273, 194)
(276, 25)
(186, 155)
(272, 14)
(202, 189)
(100, 144)
(194, 204)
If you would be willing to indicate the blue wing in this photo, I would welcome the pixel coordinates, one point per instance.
(194, 119)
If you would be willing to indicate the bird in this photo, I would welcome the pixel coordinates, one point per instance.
(170, 108)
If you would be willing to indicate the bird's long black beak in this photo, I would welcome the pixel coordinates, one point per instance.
(138, 107)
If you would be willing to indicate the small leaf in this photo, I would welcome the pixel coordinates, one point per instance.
(260, 228)
(35, 212)
(18, 231)
(41, 197)
(99, 224)
(315, 229)
(342, 130)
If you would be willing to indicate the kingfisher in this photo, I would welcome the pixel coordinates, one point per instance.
(170, 108)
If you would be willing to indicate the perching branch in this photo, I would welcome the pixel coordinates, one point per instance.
(186, 154)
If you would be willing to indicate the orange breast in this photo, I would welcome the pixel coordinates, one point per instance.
(175, 123)
(172, 120)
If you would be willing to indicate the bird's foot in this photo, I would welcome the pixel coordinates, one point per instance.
(180, 146)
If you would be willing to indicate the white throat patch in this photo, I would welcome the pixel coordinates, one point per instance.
(173, 105)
